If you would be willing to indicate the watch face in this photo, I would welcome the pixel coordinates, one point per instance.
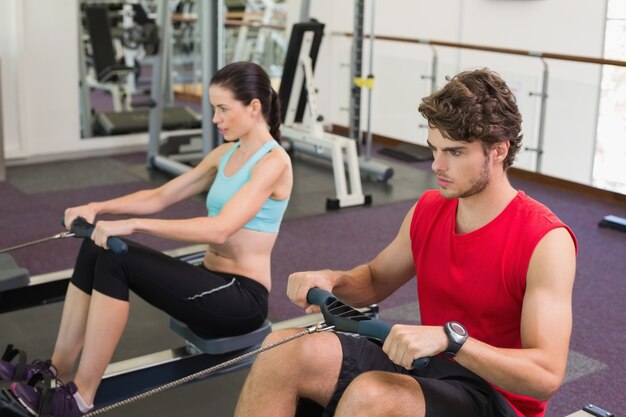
(457, 328)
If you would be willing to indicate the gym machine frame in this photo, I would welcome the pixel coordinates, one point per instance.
(212, 26)
(296, 91)
(368, 165)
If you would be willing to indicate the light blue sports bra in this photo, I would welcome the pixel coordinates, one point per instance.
(269, 217)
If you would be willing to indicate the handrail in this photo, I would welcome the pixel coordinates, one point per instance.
(543, 94)
(536, 54)
(253, 24)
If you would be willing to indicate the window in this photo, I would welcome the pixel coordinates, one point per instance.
(609, 170)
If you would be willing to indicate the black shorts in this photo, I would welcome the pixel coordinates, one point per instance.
(449, 388)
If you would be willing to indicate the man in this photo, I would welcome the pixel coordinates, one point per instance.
(490, 262)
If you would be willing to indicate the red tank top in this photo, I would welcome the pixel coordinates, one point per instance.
(479, 278)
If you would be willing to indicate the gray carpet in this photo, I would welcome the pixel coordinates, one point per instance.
(33, 201)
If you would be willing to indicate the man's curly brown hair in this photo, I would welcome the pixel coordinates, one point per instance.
(476, 105)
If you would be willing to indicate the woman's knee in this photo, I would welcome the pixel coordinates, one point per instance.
(111, 275)
(85, 267)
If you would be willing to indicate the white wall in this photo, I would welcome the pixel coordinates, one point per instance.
(573, 91)
(553, 26)
(38, 47)
(8, 60)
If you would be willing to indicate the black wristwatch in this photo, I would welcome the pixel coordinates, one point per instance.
(457, 335)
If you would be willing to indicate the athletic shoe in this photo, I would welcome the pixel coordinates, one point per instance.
(23, 371)
(49, 402)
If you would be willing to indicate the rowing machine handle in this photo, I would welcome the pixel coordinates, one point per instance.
(81, 228)
(380, 330)
(368, 328)
(319, 296)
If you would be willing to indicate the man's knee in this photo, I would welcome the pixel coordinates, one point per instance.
(369, 386)
(379, 393)
(307, 351)
(309, 365)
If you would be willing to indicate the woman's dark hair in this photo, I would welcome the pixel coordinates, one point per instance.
(248, 81)
(476, 105)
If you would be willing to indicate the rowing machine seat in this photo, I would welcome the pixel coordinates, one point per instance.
(220, 345)
(11, 275)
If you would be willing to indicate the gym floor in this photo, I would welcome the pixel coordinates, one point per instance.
(34, 329)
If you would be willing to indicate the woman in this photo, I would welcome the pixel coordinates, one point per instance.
(249, 180)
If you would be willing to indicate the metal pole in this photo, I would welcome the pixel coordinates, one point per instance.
(168, 63)
(433, 74)
(366, 164)
(3, 171)
(159, 75)
(85, 97)
(433, 67)
(370, 75)
(542, 115)
(355, 73)
(221, 35)
(210, 25)
(305, 10)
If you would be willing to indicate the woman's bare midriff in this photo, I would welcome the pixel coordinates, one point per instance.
(245, 253)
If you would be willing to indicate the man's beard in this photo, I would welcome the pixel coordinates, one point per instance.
(480, 182)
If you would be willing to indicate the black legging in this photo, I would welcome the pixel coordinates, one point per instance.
(213, 304)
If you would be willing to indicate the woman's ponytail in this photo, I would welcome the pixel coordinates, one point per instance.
(275, 115)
